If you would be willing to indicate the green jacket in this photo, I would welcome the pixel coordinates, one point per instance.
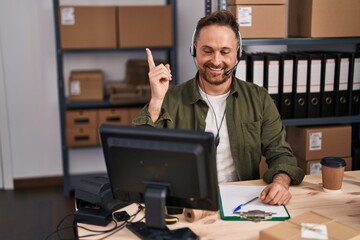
(254, 126)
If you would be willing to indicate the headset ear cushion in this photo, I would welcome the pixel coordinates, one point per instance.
(193, 51)
(192, 48)
(239, 54)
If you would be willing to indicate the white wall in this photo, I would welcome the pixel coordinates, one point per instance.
(27, 37)
(29, 69)
(6, 173)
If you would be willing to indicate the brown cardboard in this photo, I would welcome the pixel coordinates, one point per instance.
(86, 86)
(267, 21)
(87, 27)
(145, 26)
(316, 142)
(254, 2)
(137, 71)
(291, 229)
(314, 166)
(115, 116)
(81, 118)
(81, 137)
(324, 18)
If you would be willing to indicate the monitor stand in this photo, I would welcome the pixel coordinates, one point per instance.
(155, 227)
(143, 232)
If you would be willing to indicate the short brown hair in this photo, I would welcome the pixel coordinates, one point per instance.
(221, 18)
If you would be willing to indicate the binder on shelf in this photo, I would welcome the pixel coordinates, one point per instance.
(313, 85)
(271, 76)
(300, 85)
(256, 69)
(242, 68)
(286, 86)
(355, 83)
(342, 86)
(327, 85)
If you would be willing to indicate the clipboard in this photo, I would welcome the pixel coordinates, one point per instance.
(233, 195)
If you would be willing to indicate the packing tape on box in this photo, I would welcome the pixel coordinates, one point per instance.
(311, 230)
(193, 215)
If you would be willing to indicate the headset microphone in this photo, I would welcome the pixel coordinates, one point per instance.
(228, 72)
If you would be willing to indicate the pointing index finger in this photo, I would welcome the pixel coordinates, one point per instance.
(150, 58)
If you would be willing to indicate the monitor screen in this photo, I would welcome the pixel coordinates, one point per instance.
(170, 167)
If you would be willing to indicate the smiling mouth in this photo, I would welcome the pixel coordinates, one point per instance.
(216, 70)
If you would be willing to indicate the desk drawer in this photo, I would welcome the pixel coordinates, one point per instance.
(81, 118)
(81, 137)
(116, 116)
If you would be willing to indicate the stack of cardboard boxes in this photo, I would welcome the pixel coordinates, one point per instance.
(82, 125)
(311, 144)
(88, 27)
(306, 18)
(81, 128)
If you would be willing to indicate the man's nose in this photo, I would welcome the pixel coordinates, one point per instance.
(216, 59)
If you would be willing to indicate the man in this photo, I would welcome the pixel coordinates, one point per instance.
(242, 116)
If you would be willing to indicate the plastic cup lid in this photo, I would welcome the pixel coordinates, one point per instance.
(334, 162)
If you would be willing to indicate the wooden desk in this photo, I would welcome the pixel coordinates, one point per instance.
(343, 206)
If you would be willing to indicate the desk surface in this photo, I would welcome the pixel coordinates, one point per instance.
(343, 206)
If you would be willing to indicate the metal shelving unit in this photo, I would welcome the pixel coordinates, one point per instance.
(301, 41)
(322, 120)
(70, 180)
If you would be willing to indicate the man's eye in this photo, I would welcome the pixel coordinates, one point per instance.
(225, 53)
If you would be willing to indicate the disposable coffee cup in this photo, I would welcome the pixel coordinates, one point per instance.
(332, 169)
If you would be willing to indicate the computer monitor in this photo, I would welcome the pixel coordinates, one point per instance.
(161, 168)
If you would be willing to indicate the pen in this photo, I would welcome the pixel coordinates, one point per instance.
(241, 205)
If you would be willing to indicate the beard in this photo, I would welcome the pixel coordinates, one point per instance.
(211, 78)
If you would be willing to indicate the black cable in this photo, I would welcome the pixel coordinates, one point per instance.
(60, 229)
(123, 225)
(61, 222)
(95, 233)
(57, 227)
(217, 137)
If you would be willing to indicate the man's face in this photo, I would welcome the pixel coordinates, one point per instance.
(216, 53)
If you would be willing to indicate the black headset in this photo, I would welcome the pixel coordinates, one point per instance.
(193, 49)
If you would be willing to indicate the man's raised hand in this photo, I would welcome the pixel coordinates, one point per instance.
(159, 77)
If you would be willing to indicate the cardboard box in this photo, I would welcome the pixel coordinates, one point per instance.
(81, 118)
(81, 137)
(116, 116)
(86, 86)
(314, 166)
(316, 142)
(87, 27)
(324, 18)
(145, 26)
(137, 71)
(260, 21)
(254, 2)
(291, 229)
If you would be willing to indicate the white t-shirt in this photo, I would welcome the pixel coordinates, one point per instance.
(224, 161)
